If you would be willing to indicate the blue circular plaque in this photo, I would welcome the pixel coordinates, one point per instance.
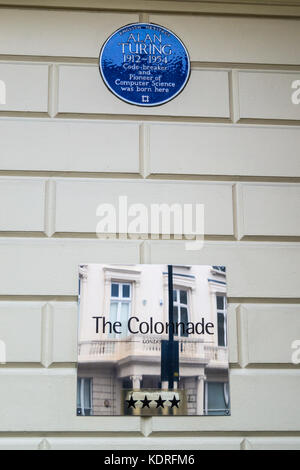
(144, 64)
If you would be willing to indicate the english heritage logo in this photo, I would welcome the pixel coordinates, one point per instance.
(152, 340)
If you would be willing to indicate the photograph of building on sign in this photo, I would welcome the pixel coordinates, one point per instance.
(152, 340)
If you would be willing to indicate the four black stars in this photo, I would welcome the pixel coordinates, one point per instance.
(159, 403)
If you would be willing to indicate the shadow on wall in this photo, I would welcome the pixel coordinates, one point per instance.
(2, 352)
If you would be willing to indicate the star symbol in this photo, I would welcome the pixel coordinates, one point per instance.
(131, 402)
(146, 402)
(174, 402)
(160, 402)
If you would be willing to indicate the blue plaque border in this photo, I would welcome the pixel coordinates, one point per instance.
(133, 103)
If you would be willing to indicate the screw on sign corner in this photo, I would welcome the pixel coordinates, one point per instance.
(2, 352)
(2, 92)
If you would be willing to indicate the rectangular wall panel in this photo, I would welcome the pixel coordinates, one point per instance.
(269, 332)
(21, 331)
(273, 443)
(39, 332)
(270, 210)
(224, 150)
(65, 145)
(54, 263)
(268, 95)
(150, 444)
(58, 33)
(253, 268)
(206, 95)
(22, 204)
(77, 203)
(235, 39)
(26, 87)
(21, 443)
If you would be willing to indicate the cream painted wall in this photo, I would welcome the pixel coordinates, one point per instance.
(231, 141)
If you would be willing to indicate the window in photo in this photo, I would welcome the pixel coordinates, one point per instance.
(120, 307)
(217, 398)
(222, 320)
(180, 302)
(84, 397)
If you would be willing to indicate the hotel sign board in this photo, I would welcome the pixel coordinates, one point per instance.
(144, 64)
(152, 340)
